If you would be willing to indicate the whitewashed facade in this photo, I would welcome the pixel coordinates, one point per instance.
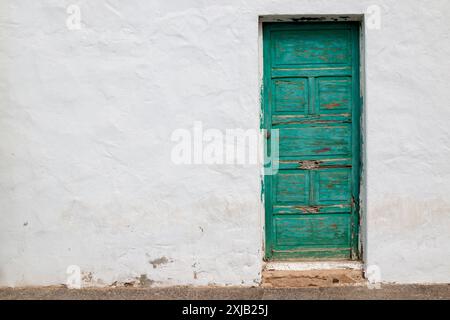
(88, 111)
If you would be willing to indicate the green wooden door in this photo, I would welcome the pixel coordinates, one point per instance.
(311, 95)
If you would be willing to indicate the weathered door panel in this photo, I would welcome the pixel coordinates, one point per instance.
(313, 231)
(315, 140)
(311, 95)
(311, 46)
(332, 186)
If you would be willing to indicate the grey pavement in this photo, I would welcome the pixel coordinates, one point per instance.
(441, 292)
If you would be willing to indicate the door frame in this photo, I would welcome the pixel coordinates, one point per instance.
(357, 123)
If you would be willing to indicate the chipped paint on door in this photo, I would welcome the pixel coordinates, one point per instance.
(311, 95)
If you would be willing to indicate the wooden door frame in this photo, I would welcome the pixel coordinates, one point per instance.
(357, 154)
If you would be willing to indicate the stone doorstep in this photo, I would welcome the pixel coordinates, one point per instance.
(312, 278)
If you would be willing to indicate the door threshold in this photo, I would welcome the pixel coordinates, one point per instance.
(313, 265)
(300, 274)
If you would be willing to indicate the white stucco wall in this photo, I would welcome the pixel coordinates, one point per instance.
(86, 118)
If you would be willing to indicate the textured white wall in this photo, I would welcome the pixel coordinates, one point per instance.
(86, 118)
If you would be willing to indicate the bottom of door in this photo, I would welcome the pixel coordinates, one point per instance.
(312, 254)
(319, 236)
